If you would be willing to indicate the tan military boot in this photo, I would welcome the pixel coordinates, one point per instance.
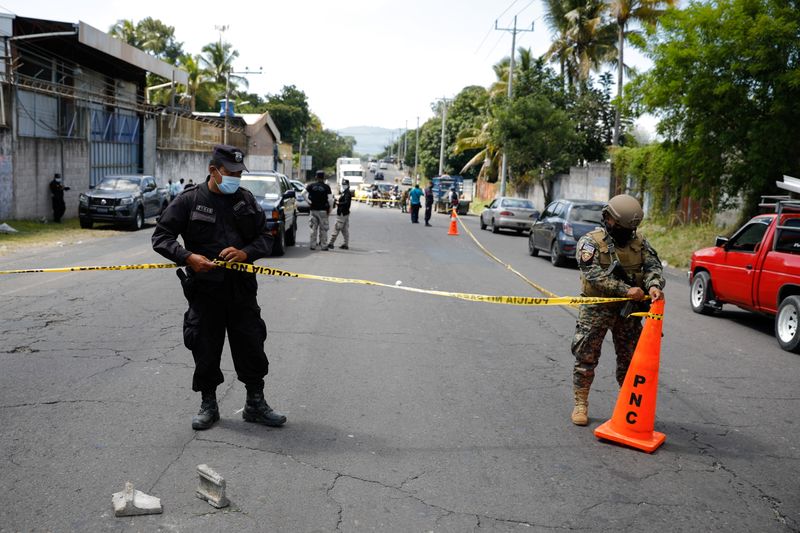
(580, 415)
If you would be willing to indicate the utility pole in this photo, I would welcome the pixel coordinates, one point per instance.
(300, 162)
(227, 91)
(441, 143)
(514, 31)
(416, 153)
(405, 143)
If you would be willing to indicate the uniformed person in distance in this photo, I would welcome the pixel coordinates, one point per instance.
(614, 261)
(219, 220)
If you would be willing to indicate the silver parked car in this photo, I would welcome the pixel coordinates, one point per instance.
(511, 213)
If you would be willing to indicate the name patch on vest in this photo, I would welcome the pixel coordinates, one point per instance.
(203, 214)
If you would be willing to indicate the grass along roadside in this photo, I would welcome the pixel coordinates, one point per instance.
(676, 244)
(32, 233)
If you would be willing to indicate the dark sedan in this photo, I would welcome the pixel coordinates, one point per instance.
(277, 198)
(561, 225)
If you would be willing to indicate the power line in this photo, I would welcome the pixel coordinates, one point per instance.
(529, 4)
(493, 47)
(490, 28)
(508, 8)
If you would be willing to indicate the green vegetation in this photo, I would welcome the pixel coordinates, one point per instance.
(675, 244)
(726, 82)
(34, 233)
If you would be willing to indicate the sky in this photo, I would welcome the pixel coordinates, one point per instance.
(360, 62)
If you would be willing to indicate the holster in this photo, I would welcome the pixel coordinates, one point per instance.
(187, 284)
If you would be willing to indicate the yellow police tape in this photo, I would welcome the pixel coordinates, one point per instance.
(497, 259)
(508, 300)
(270, 271)
(539, 287)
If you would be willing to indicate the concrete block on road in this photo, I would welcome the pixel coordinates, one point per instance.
(212, 487)
(130, 502)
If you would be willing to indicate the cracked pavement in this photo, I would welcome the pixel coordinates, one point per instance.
(406, 412)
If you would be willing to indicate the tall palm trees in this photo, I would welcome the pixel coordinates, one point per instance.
(584, 40)
(624, 12)
(218, 59)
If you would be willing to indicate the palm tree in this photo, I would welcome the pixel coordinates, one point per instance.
(583, 38)
(644, 12)
(590, 37)
(524, 62)
(218, 60)
(556, 19)
(126, 30)
(489, 154)
(198, 77)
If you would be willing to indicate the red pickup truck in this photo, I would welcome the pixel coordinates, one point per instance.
(757, 269)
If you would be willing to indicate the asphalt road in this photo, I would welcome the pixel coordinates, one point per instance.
(407, 412)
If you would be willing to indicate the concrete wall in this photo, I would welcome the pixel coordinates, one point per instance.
(35, 161)
(591, 182)
(176, 164)
(259, 162)
(6, 176)
(149, 131)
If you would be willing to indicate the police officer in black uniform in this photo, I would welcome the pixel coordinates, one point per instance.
(219, 220)
(57, 193)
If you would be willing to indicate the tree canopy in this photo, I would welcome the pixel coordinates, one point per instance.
(726, 85)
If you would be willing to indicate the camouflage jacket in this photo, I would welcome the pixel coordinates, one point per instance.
(638, 262)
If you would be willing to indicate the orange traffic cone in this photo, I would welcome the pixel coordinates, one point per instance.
(453, 224)
(635, 413)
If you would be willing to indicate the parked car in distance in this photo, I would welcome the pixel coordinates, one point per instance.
(373, 167)
(125, 200)
(362, 192)
(379, 176)
(406, 181)
(302, 198)
(277, 197)
(511, 213)
(561, 225)
(383, 165)
(757, 269)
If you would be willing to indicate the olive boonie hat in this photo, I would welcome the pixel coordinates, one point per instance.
(231, 157)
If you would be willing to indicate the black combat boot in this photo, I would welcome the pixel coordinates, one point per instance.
(209, 412)
(257, 410)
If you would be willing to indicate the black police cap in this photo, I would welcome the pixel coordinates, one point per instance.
(230, 157)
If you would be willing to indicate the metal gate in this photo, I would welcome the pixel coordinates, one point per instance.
(115, 144)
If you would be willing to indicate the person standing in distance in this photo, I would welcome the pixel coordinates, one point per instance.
(614, 261)
(57, 195)
(320, 208)
(428, 204)
(342, 217)
(219, 220)
(416, 203)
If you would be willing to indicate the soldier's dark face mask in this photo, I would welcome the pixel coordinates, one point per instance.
(622, 236)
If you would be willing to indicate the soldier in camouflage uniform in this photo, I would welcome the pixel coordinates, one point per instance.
(614, 261)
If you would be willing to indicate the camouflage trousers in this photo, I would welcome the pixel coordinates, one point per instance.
(593, 322)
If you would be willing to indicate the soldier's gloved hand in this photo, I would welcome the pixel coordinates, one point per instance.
(635, 293)
(656, 294)
(199, 263)
(234, 255)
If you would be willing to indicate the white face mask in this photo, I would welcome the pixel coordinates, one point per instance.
(58, 180)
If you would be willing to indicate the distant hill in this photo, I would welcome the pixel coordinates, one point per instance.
(369, 139)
